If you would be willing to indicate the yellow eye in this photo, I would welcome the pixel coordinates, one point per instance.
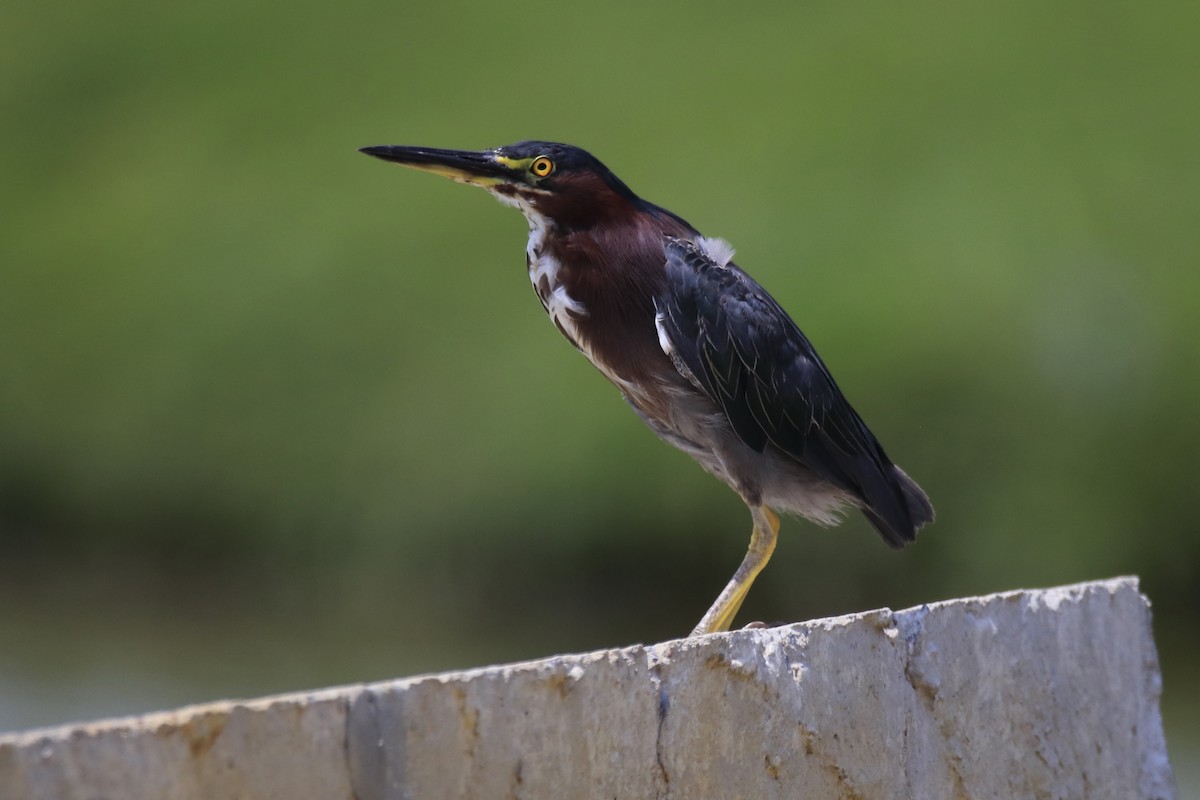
(541, 166)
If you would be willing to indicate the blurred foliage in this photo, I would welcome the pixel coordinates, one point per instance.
(273, 414)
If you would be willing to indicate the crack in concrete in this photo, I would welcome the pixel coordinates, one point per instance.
(468, 721)
(518, 778)
(926, 688)
(663, 707)
(362, 746)
(810, 741)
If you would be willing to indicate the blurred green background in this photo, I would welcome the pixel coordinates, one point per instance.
(274, 415)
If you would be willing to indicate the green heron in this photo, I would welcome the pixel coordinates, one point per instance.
(704, 355)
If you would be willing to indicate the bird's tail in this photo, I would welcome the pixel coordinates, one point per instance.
(898, 525)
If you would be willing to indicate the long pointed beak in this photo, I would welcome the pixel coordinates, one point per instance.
(464, 166)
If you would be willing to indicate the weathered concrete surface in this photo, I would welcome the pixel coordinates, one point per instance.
(1031, 694)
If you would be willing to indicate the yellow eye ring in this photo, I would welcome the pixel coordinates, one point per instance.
(541, 166)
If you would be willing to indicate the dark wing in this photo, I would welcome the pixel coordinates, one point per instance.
(731, 339)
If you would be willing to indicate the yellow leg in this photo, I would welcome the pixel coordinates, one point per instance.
(762, 544)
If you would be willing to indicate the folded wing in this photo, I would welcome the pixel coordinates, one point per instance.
(737, 345)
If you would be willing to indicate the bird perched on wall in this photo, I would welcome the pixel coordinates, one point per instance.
(700, 351)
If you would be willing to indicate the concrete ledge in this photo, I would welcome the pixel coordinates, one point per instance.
(1028, 694)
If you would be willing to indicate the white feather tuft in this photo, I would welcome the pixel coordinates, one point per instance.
(719, 250)
(664, 341)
